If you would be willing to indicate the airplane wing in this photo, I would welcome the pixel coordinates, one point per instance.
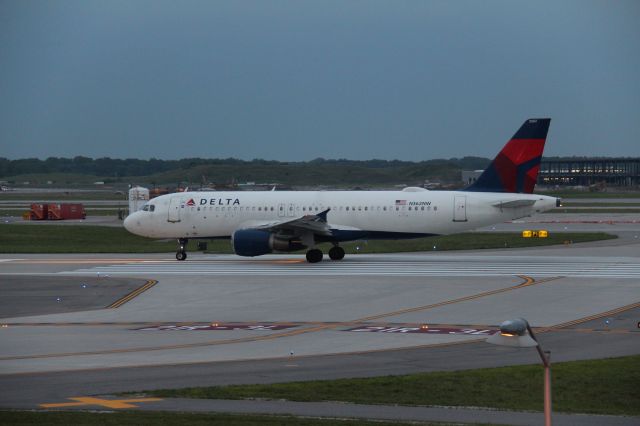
(316, 224)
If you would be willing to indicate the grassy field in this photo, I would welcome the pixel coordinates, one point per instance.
(140, 418)
(27, 238)
(608, 386)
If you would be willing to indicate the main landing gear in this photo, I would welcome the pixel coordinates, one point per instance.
(336, 253)
(181, 254)
(315, 255)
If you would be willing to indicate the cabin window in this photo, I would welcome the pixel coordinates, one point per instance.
(347, 208)
(435, 208)
(384, 208)
(271, 208)
(366, 208)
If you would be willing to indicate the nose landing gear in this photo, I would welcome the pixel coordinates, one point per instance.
(181, 254)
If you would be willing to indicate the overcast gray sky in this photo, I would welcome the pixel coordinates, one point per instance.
(296, 80)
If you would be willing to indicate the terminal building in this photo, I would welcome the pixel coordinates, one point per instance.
(618, 172)
(587, 172)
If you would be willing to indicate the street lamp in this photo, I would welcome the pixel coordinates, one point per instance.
(518, 333)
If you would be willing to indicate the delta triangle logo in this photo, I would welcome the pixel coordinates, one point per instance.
(191, 203)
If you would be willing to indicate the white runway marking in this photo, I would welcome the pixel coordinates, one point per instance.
(463, 267)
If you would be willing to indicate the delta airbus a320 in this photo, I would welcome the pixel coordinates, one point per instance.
(284, 221)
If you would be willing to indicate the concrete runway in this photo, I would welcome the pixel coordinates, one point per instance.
(224, 319)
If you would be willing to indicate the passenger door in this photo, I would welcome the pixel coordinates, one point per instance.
(174, 209)
(460, 208)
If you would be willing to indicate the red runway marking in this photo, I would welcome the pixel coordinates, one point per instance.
(218, 327)
(423, 330)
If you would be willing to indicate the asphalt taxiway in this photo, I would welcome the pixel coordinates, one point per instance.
(152, 322)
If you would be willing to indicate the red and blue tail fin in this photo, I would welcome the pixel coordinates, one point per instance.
(515, 169)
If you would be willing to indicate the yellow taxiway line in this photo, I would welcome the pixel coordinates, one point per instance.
(133, 294)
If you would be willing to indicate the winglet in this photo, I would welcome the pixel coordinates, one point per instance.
(515, 168)
(323, 215)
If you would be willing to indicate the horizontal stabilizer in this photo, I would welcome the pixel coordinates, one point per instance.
(513, 204)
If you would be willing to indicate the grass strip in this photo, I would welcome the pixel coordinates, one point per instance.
(607, 386)
(596, 211)
(76, 239)
(598, 204)
(27, 238)
(468, 241)
(89, 211)
(593, 195)
(141, 418)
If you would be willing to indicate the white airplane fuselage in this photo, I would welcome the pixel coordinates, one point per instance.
(284, 221)
(360, 214)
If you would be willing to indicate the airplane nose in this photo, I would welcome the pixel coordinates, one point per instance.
(130, 223)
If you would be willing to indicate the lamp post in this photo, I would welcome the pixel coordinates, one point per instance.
(518, 333)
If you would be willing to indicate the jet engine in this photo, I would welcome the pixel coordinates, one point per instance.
(255, 242)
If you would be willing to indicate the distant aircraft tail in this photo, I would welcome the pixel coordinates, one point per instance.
(515, 168)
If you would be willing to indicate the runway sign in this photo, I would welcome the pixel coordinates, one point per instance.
(218, 327)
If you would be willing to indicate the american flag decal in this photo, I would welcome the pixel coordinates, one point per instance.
(401, 202)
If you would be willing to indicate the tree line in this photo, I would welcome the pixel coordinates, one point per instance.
(131, 167)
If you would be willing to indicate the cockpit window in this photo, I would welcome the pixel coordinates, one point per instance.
(148, 208)
(145, 208)
(152, 207)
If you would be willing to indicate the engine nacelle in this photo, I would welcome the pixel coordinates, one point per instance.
(255, 242)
